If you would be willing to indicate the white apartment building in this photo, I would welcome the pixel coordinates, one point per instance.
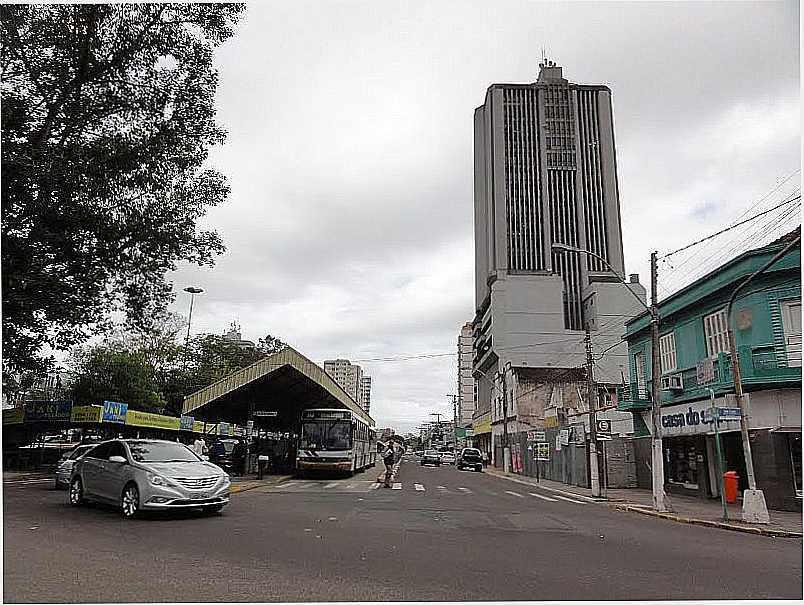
(466, 383)
(347, 375)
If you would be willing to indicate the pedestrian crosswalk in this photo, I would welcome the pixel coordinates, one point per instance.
(353, 486)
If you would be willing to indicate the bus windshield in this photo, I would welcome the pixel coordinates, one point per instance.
(326, 435)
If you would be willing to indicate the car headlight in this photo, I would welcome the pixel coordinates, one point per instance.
(226, 479)
(158, 480)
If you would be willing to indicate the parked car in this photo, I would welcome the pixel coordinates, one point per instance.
(448, 457)
(148, 474)
(64, 469)
(470, 457)
(431, 457)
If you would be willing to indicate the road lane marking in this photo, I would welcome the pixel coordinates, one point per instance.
(375, 486)
(569, 499)
(397, 486)
(331, 485)
(419, 487)
(514, 494)
(465, 490)
(441, 487)
(542, 497)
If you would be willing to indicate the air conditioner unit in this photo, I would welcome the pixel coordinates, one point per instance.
(672, 383)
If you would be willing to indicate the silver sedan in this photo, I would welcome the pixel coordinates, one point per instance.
(148, 474)
(64, 470)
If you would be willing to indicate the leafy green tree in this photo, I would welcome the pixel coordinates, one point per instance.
(110, 372)
(107, 118)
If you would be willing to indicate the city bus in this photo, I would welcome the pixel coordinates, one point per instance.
(335, 440)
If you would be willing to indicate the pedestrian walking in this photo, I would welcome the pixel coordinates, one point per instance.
(199, 446)
(239, 458)
(389, 458)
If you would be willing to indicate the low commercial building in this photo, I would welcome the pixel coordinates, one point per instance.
(697, 373)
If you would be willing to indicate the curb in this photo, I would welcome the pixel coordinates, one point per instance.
(775, 533)
(257, 484)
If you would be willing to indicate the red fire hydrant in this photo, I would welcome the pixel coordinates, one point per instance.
(730, 479)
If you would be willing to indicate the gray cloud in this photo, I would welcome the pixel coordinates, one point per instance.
(349, 227)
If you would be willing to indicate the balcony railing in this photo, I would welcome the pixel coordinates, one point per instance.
(633, 397)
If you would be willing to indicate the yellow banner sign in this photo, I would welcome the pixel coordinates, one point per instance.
(86, 413)
(13, 416)
(551, 422)
(154, 421)
(484, 426)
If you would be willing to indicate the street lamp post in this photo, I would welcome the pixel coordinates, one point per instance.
(193, 291)
(657, 464)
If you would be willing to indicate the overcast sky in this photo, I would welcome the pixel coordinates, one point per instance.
(349, 227)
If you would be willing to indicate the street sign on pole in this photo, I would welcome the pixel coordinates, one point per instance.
(603, 429)
(543, 451)
(728, 413)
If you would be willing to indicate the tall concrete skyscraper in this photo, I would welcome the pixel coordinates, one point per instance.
(545, 172)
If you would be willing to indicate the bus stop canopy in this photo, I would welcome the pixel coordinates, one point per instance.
(278, 386)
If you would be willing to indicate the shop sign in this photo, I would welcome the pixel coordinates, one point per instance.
(483, 426)
(198, 426)
(564, 434)
(536, 436)
(153, 421)
(689, 419)
(550, 422)
(186, 423)
(266, 413)
(86, 413)
(705, 371)
(543, 451)
(48, 411)
(114, 411)
(223, 428)
(469, 433)
(13, 416)
(558, 443)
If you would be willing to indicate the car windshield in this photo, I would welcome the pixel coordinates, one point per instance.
(431, 453)
(79, 451)
(326, 435)
(469, 452)
(158, 451)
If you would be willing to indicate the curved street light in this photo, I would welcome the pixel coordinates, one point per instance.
(193, 291)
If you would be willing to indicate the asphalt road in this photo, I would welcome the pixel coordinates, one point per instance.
(458, 536)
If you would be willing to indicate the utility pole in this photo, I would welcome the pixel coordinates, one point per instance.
(591, 398)
(657, 462)
(755, 510)
(506, 447)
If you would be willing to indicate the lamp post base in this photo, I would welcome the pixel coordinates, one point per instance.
(754, 508)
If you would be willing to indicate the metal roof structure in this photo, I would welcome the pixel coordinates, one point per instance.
(283, 382)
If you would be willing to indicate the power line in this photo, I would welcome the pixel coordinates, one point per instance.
(708, 237)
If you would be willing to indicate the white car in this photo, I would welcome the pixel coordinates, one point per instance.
(448, 457)
(64, 470)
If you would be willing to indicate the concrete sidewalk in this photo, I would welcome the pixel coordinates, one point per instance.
(683, 509)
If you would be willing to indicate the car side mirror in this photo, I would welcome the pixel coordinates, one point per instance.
(118, 459)
(205, 458)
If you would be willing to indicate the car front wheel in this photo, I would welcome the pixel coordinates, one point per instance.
(76, 492)
(130, 501)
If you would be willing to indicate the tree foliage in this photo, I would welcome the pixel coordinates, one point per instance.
(107, 117)
(151, 370)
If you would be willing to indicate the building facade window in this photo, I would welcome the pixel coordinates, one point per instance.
(716, 332)
(791, 320)
(639, 371)
(667, 352)
(682, 458)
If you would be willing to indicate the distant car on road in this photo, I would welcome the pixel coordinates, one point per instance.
(431, 457)
(448, 457)
(470, 457)
(64, 469)
(148, 474)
